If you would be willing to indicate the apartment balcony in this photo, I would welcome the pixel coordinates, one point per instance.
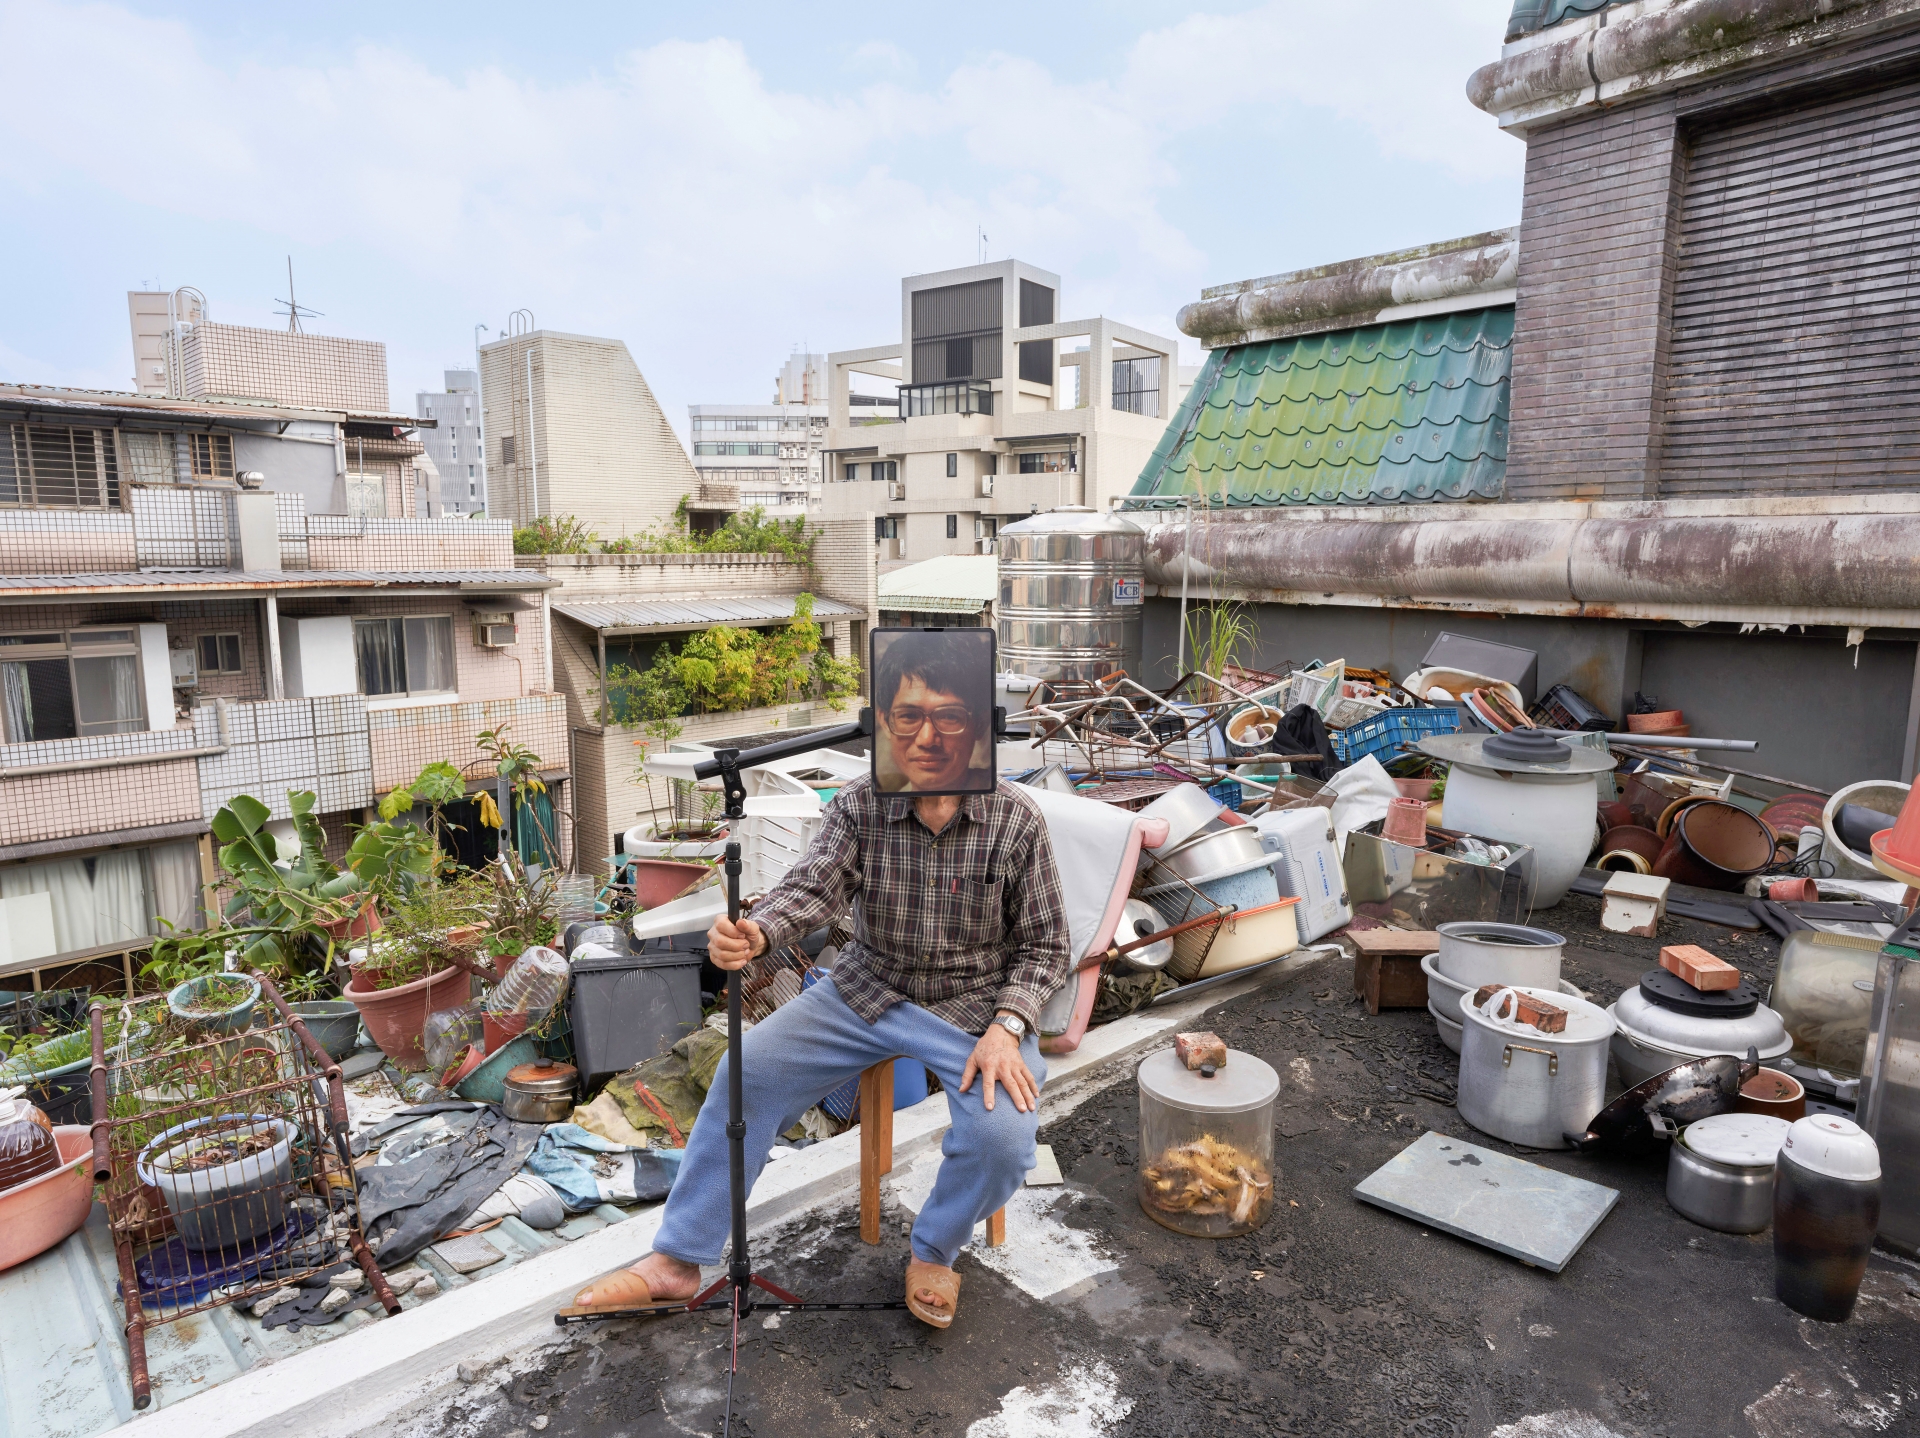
(404, 739)
(956, 397)
(274, 746)
(166, 783)
(715, 495)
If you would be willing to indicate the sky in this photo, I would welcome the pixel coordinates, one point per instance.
(716, 185)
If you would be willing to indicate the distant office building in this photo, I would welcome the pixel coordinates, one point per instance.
(572, 429)
(994, 419)
(769, 456)
(455, 443)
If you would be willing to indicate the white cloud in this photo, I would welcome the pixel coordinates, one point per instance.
(673, 197)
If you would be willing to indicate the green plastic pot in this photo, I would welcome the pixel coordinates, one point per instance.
(233, 1020)
(487, 1084)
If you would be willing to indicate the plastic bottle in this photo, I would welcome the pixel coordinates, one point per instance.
(1826, 1208)
(27, 1149)
(536, 982)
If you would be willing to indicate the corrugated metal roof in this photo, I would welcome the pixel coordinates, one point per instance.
(161, 580)
(1531, 15)
(958, 583)
(614, 612)
(1382, 414)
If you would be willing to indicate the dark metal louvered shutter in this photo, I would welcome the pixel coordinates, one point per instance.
(1794, 356)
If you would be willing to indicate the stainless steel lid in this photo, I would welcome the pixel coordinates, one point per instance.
(1244, 1082)
(1739, 1140)
(1471, 750)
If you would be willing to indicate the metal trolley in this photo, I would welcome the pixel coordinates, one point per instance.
(223, 1162)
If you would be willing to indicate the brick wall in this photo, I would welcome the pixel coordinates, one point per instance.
(404, 741)
(311, 371)
(1602, 196)
(38, 807)
(847, 562)
(337, 541)
(41, 541)
(704, 575)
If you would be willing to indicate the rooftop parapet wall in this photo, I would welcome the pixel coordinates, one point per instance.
(1836, 561)
(1595, 64)
(1468, 273)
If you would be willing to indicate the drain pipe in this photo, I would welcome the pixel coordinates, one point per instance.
(118, 761)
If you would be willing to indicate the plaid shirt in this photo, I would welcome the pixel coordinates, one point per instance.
(965, 923)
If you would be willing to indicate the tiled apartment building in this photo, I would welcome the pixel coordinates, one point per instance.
(194, 604)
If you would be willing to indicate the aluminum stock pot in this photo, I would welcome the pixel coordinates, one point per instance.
(1529, 1087)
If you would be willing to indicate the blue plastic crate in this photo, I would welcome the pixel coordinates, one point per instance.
(1227, 793)
(1382, 735)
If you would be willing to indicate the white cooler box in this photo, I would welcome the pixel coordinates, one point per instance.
(1308, 867)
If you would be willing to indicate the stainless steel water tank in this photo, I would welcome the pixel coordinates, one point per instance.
(1070, 594)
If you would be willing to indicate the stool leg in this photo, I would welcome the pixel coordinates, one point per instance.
(876, 1143)
(996, 1228)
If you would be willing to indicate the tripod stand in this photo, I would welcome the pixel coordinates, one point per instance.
(740, 1277)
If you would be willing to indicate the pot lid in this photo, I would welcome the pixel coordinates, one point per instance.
(1835, 1146)
(1739, 1140)
(1476, 751)
(1243, 1082)
(1670, 991)
(1138, 920)
(1695, 1034)
(546, 1076)
(1585, 1022)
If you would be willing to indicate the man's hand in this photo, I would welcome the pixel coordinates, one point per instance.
(732, 945)
(996, 1058)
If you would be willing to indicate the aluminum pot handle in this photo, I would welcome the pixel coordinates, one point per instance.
(1506, 1056)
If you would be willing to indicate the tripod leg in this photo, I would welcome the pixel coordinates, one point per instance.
(740, 1269)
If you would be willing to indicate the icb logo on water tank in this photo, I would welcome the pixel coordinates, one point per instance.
(1126, 591)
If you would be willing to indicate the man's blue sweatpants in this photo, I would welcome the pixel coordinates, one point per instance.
(803, 1052)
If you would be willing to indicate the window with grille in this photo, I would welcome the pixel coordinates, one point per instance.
(56, 466)
(953, 466)
(953, 526)
(886, 527)
(412, 655)
(212, 455)
(219, 654)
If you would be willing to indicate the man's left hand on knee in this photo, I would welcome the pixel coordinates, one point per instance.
(996, 1060)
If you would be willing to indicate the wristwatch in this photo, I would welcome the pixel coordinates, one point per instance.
(1013, 1024)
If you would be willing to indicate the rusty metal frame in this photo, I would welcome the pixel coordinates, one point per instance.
(133, 1073)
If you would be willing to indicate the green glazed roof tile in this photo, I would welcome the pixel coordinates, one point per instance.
(1531, 15)
(1383, 414)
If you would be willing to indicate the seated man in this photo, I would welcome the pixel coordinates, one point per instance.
(961, 935)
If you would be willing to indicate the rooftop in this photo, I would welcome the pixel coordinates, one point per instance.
(1378, 414)
(60, 401)
(171, 581)
(959, 582)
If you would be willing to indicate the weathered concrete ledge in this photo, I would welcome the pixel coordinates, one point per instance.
(1851, 561)
(1602, 60)
(1466, 273)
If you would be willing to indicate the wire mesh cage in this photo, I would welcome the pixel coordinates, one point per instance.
(221, 1147)
(1192, 919)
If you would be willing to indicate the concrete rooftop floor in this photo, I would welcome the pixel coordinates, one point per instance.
(1336, 1317)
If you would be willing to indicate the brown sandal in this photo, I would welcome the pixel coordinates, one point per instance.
(623, 1288)
(945, 1284)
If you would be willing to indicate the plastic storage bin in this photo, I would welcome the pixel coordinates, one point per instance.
(1382, 735)
(1206, 1144)
(625, 1008)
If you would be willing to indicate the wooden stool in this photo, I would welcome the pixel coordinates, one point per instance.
(876, 1153)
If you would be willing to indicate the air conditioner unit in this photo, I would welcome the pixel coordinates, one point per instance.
(185, 664)
(495, 631)
(986, 486)
(896, 489)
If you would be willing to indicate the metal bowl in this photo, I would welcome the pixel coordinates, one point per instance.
(1187, 808)
(1215, 851)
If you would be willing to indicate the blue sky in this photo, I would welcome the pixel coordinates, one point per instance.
(714, 185)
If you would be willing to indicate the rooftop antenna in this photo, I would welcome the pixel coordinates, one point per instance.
(983, 246)
(294, 309)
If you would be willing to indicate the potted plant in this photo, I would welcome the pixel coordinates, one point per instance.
(214, 1003)
(411, 969)
(224, 1179)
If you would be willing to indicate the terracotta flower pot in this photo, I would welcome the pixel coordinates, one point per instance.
(465, 936)
(656, 881)
(1663, 721)
(396, 1017)
(354, 926)
(498, 1032)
